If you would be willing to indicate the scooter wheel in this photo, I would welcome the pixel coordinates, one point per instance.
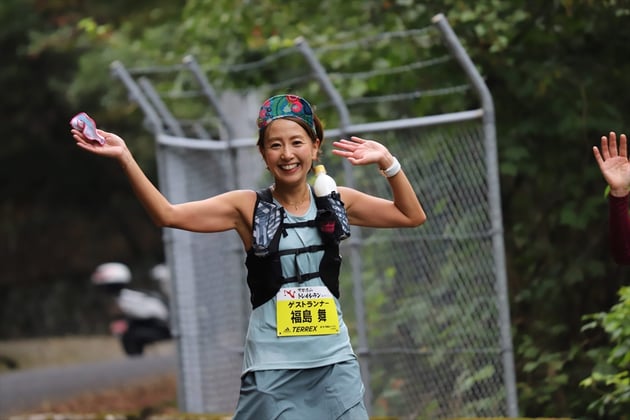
(131, 346)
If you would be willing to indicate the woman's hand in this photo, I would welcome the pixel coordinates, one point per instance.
(363, 152)
(114, 146)
(614, 163)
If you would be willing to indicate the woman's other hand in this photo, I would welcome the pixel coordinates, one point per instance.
(613, 163)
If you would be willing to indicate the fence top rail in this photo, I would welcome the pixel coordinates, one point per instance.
(199, 144)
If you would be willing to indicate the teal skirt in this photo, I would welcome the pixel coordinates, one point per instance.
(333, 392)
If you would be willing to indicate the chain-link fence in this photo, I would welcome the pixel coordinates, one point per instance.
(426, 307)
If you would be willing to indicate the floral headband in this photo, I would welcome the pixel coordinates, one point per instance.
(282, 106)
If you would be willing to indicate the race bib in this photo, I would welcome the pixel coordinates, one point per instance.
(306, 311)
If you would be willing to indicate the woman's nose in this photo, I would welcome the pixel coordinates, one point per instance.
(287, 152)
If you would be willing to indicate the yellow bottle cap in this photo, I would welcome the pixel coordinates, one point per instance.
(320, 169)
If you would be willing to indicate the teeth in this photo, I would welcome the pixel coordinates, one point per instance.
(289, 167)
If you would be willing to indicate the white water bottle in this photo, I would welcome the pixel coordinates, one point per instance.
(324, 183)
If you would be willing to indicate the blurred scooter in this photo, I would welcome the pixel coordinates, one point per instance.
(142, 316)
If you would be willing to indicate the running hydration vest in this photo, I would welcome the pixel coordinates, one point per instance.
(264, 270)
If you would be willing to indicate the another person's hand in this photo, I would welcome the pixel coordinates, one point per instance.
(114, 146)
(363, 152)
(614, 164)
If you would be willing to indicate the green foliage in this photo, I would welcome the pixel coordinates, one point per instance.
(544, 376)
(610, 377)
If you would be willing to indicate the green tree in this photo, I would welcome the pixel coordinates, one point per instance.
(59, 220)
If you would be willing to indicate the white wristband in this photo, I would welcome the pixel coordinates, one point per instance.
(392, 170)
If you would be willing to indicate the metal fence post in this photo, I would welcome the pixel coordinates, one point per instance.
(155, 122)
(494, 199)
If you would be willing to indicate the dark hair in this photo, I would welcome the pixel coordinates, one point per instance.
(314, 136)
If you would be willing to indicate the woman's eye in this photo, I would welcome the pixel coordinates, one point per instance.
(274, 146)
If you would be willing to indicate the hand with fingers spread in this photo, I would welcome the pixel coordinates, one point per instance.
(613, 163)
(363, 152)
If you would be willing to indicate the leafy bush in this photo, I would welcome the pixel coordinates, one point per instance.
(611, 375)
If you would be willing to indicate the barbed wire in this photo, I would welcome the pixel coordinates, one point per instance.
(408, 95)
(271, 57)
(372, 39)
(156, 69)
(339, 77)
(392, 70)
(236, 68)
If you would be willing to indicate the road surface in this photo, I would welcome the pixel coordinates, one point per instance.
(29, 388)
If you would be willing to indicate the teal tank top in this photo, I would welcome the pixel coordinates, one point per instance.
(264, 350)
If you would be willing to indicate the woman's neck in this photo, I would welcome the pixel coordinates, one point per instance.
(292, 199)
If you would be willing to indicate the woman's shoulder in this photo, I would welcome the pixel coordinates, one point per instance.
(243, 200)
(238, 196)
(348, 194)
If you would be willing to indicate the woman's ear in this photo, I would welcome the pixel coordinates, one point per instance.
(316, 145)
(264, 158)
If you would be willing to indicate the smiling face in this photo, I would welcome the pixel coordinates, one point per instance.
(288, 151)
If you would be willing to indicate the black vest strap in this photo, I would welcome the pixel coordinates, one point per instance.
(297, 251)
(300, 278)
(307, 223)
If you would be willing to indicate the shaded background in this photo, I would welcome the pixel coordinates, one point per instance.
(558, 72)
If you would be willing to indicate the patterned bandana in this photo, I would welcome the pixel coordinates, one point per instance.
(282, 106)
